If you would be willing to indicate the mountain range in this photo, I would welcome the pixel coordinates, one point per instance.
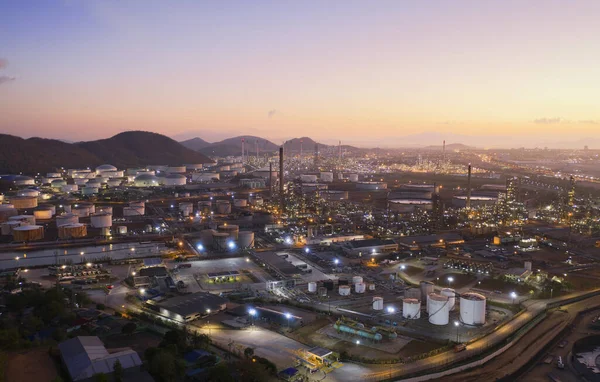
(127, 149)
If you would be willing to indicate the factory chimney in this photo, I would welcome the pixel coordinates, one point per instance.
(271, 180)
(340, 151)
(444, 151)
(301, 140)
(242, 150)
(257, 151)
(468, 205)
(282, 200)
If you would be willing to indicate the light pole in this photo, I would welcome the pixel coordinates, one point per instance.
(513, 295)
(288, 316)
(457, 324)
(252, 313)
(450, 280)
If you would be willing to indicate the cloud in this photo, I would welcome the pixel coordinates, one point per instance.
(272, 113)
(548, 121)
(4, 79)
(590, 122)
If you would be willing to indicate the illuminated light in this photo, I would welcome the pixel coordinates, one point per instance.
(288, 316)
(336, 261)
(133, 273)
(132, 249)
(200, 247)
(391, 309)
(456, 323)
(403, 267)
(358, 342)
(252, 312)
(231, 244)
(307, 250)
(88, 265)
(17, 258)
(142, 291)
(208, 311)
(81, 253)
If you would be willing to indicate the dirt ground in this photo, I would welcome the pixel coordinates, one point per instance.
(503, 286)
(138, 341)
(30, 365)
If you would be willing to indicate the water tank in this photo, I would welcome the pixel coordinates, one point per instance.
(72, 231)
(371, 286)
(377, 303)
(426, 288)
(28, 233)
(357, 279)
(246, 239)
(101, 220)
(24, 202)
(451, 294)
(219, 241)
(353, 177)
(438, 309)
(472, 308)
(223, 207)
(344, 290)
(411, 308)
(43, 214)
(312, 287)
(240, 202)
(186, 208)
(413, 293)
(231, 229)
(360, 287)
(24, 219)
(66, 219)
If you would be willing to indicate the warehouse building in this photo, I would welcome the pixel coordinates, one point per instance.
(188, 307)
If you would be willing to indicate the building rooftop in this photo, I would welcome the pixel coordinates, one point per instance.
(192, 303)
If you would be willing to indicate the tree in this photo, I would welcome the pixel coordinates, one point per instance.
(165, 367)
(118, 371)
(100, 377)
(220, 373)
(200, 341)
(100, 306)
(129, 328)
(248, 352)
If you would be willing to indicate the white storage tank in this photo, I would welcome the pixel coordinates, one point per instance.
(58, 183)
(326, 177)
(80, 181)
(6, 211)
(205, 177)
(114, 182)
(53, 175)
(89, 190)
(308, 178)
(223, 207)
(377, 303)
(438, 309)
(411, 308)
(371, 287)
(89, 205)
(175, 180)
(106, 209)
(193, 166)
(231, 229)
(66, 219)
(101, 220)
(451, 294)
(353, 177)
(122, 230)
(6, 228)
(43, 214)
(176, 169)
(71, 231)
(344, 290)
(426, 288)
(69, 188)
(357, 279)
(472, 308)
(81, 211)
(50, 207)
(28, 233)
(133, 211)
(23, 180)
(360, 287)
(24, 219)
(312, 287)
(246, 239)
(240, 202)
(139, 203)
(413, 293)
(186, 208)
(146, 180)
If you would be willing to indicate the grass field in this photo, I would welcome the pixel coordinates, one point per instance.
(503, 286)
(460, 280)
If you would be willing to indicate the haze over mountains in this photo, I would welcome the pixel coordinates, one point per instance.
(128, 149)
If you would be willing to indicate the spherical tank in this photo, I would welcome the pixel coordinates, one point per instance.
(312, 287)
(223, 207)
(411, 308)
(101, 220)
(28, 233)
(246, 239)
(344, 290)
(426, 289)
(240, 202)
(66, 219)
(472, 308)
(438, 309)
(360, 287)
(24, 219)
(357, 279)
(43, 214)
(70, 231)
(377, 303)
(24, 202)
(451, 294)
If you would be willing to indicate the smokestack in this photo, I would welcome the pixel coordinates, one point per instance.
(257, 151)
(340, 151)
(468, 205)
(301, 147)
(281, 179)
(271, 179)
(444, 151)
(242, 150)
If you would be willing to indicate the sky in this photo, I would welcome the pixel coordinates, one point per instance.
(384, 73)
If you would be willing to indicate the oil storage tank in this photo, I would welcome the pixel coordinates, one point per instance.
(360, 287)
(101, 220)
(186, 208)
(240, 203)
(43, 214)
(66, 219)
(344, 290)
(472, 308)
(24, 202)
(72, 231)
(6, 211)
(246, 239)
(377, 303)
(411, 308)
(438, 309)
(413, 293)
(427, 287)
(219, 241)
(312, 287)
(204, 207)
(28, 233)
(231, 229)
(451, 294)
(24, 219)
(357, 279)
(223, 207)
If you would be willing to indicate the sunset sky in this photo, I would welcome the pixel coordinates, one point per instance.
(365, 72)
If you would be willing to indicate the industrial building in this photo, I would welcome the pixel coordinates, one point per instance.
(369, 247)
(189, 307)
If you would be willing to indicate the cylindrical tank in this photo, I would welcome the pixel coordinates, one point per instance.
(426, 288)
(344, 290)
(371, 286)
(69, 188)
(50, 207)
(80, 181)
(231, 229)
(105, 209)
(66, 219)
(7, 227)
(246, 239)
(377, 303)
(114, 182)
(322, 291)
(28, 192)
(6, 211)
(411, 308)
(58, 183)
(186, 208)
(122, 230)
(223, 207)
(240, 202)
(101, 220)
(176, 169)
(89, 205)
(357, 279)
(133, 211)
(24, 202)
(206, 236)
(43, 213)
(308, 178)
(81, 211)
(451, 294)
(438, 309)
(312, 287)
(53, 174)
(353, 177)
(24, 219)
(71, 231)
(472, 308)
(360, 287)
(139, 203)
(204, 207)
(342, 281)
(28, 233)
(326, 176)
(219, 241)
(89, 190)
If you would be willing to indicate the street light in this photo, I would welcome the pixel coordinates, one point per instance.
(391, 310)
(252, 313)
(200, 247)
(288, 316)
(336, 261)
(307, 250)
(450, 280)
(358, 342)
(403, 267)
(133, 273)
(231, 244)
(514, 296)
(457, 324)
(142, 291)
